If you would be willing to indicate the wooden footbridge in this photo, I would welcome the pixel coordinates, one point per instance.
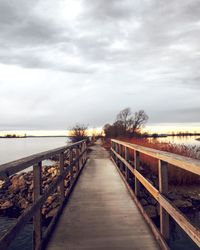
(103, 211)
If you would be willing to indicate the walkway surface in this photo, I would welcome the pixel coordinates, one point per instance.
(100, 213)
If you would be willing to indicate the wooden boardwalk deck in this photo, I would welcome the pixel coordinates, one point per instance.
(101, 213)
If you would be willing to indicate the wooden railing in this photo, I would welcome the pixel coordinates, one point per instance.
(121, 153)
(76, 154)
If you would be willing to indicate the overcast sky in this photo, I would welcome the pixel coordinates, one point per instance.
(63, 62)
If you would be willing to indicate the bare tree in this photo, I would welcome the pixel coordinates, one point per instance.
(138, 121)
(126, 124)
(79, 132)
(124, 117)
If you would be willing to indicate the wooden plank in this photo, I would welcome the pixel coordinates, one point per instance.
(7, 238)
(128, 165)
(71, 167)
(101, 216)
(55, 219)
(192, 231)
(127, 156)
(182, 162)
(77, 157)
(163, 188)
(152, 190)
(154, 229)
(37, 219)
(166, 206)
(137, 167)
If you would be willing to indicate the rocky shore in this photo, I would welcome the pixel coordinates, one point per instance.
(16, 193)
(185, 198)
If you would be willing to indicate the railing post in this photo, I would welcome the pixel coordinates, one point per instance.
(62, 186)
(137, 167)
(71, 166)
(77, 158)
(37, 191)
(80, 159)
(163, 188)
(126, 168)
(85, 149)
(120, 163)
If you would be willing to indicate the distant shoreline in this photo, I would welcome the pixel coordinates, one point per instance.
(33, 136)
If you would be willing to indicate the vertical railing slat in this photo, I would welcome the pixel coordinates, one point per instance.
(126, 168)
(163, 188)
(137, 167)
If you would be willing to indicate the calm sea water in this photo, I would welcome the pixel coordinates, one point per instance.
(187, 140)
(13, 149)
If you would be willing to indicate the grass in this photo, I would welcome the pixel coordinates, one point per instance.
(177, 176)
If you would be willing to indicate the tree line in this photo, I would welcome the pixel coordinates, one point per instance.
(127, 124)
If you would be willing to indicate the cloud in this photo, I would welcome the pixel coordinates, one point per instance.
(94, 58)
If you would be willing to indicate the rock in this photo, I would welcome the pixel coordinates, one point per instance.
(151, 211)
(45, 211)
(196, 200)
(183, 205)
(151, 201)
(52, 212)
(6, 204)
(143, 202)
(17, 183)
(50, 199)
(53, 171)
(23, 203)
(1, 183)
(6, 184)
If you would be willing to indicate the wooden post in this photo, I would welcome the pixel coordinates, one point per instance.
(37, 191)
(120, 152)
(137, 167)
(127, 173)
(62, 186)
(163, 188)
(71, 166)
(111, 147)
(85, 149)
(115, 148)
(80, 159)
(76, 157)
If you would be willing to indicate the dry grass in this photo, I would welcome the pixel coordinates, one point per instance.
(176, 175)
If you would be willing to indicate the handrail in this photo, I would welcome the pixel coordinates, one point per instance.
(121, 157)
(77, 156)
(180, 161)
(13, 167)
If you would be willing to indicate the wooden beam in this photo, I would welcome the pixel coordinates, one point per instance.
(71, 167)
(192, 231)
(168, 208)
(137, 167)
(14, 167)
(182, 162)
(127, 156)
(163, 188)
(152, 226)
